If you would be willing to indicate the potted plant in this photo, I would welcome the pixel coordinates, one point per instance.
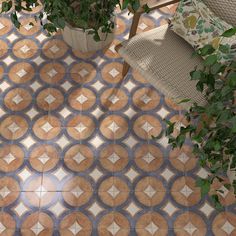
(212, 128)
(88, 24)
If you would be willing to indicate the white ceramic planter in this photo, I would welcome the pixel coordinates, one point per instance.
(81, 40)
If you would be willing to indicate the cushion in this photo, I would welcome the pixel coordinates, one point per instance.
(165, 60)
(225, 9)
(199, 26)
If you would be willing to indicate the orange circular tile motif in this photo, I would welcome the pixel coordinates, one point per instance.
(40, 191)
(114, 157)
(47, 127)
(145, 24)
(80, 127)
(150, 191)
(138, 77)
(183, 159)
(50, 99)
(110, 50)
(146, 126)
(55, 48)
(120, 26)
(151, 223)
(77, 191)
(83, 72)
(1, 71)
(83, 55)
(79, 158)
(25, 48)
(224, 224)
(3, 48)
(190, 223)
(114, 99)
(29, 26)
(17, 99)
(73, 222)
(148, 157)
(52, 73)
(10, 191)
(21, 73)
(146, 99)
(13, 127)
(113, 191)
(34, 10)
(185, 192)
(112, 72)
(6, 26)
(11, 158)
(8, 224)
(114, 223)
(44, 158)
(114, 127)
(82, 99)
(35, 222)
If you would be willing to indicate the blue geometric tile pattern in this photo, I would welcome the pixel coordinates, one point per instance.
(76, 153)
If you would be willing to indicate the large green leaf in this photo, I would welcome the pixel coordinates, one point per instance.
(229, 33)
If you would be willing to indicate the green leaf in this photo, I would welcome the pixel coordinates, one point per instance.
(59, 22)
(204, 185)
(50, 27)
(184, 101)
(136, 5)
(14, 20)
(210, 60)
(216, 68)
(196, 75)
(6, 6)
(229, 33)
(225, 91)
(180, 140)
(125, 4)
(169, 130)
(216, 202)
(232, 79)
(206, 50)
(224, 48)
(200, 86)
(96, 37)
(146, 8)
(233, 123)
(217, 145)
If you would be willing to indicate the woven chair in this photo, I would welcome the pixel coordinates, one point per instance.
(165, 59)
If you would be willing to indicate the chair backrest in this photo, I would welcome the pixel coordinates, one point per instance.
(225, 9)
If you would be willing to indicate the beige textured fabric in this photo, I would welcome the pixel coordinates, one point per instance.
(225, 9)
(165, 60)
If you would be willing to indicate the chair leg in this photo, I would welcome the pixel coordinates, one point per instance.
(126, 67)
(133, 31)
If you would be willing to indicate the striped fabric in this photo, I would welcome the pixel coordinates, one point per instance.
(225, 9)
(165, 60)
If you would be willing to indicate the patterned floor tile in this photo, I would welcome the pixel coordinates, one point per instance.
(76, 150)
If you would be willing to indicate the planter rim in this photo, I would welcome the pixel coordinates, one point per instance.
(80, 29)
(77, 29)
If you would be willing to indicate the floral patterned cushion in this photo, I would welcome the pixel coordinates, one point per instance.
(198, 25)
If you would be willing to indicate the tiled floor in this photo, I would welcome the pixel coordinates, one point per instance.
(76, 154)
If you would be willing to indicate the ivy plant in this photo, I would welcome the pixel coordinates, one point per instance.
(85, 14)
(212, 127)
